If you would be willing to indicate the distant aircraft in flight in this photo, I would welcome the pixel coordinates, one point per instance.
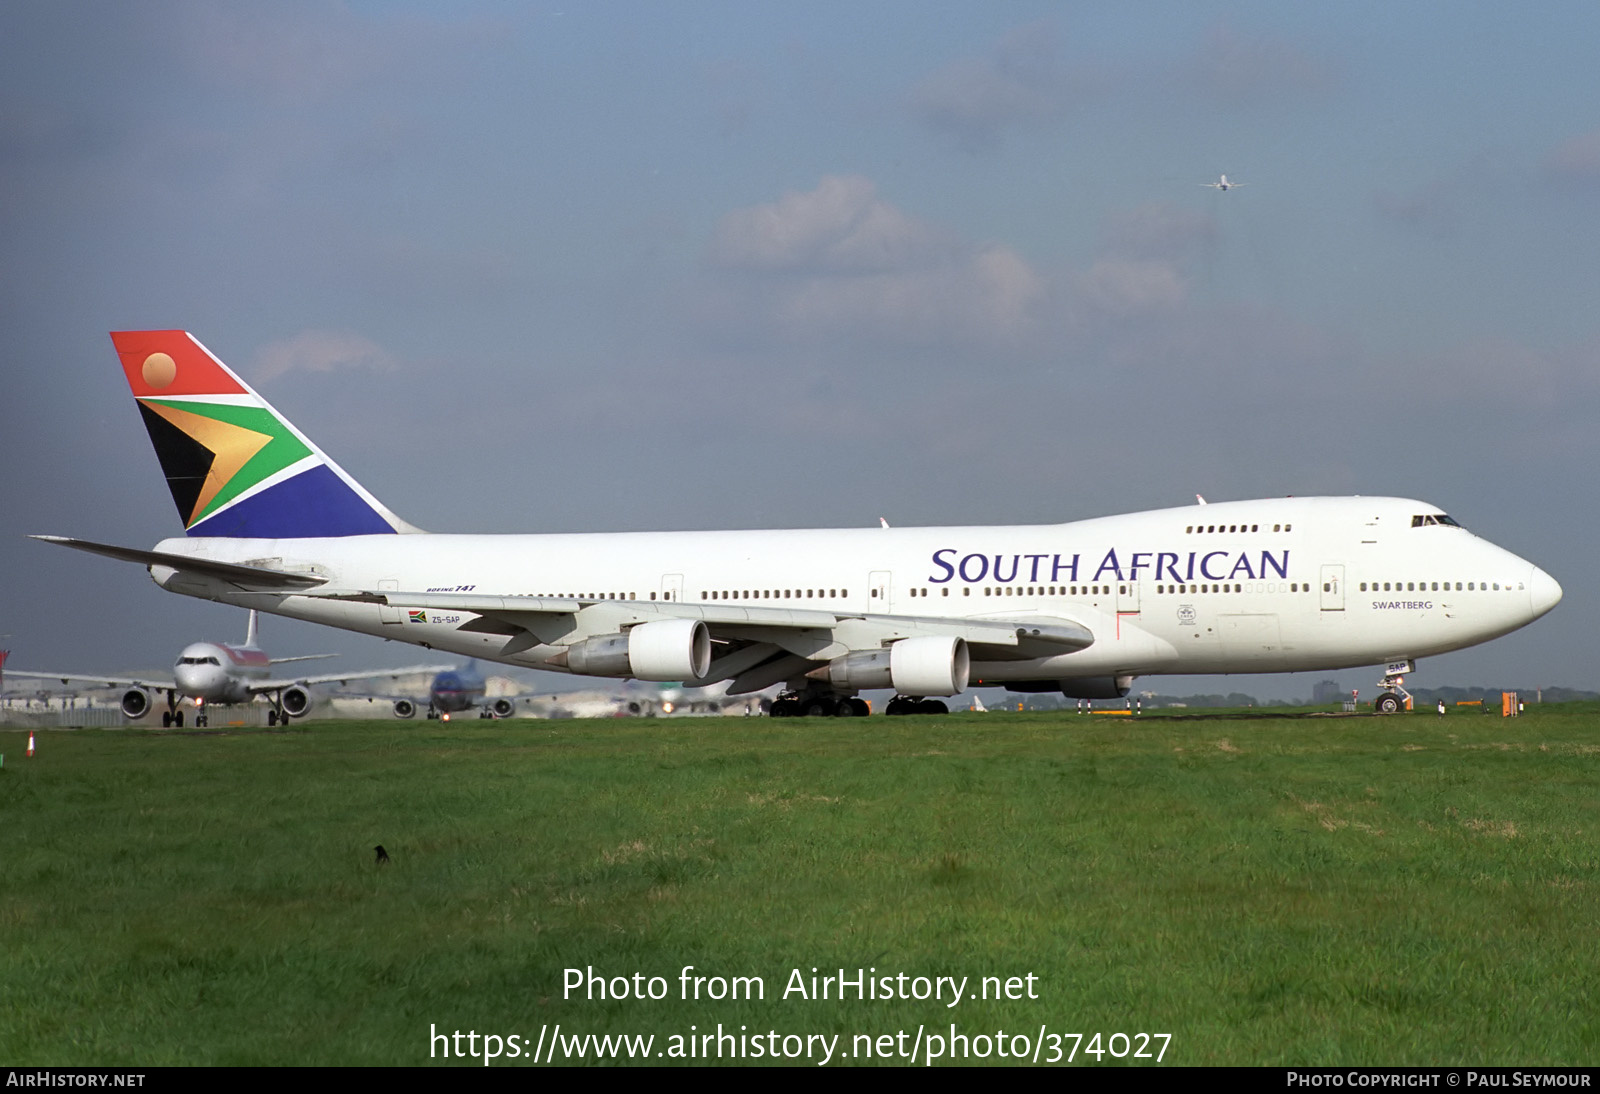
(1081, 609)
(1222, 184)
(211, 673)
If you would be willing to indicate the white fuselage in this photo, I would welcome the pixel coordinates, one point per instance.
(219, 673)
(1275, 585)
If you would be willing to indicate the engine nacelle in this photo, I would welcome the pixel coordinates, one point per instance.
(669, 649)
(502, 708)
(136, 702)
(404, 708)
(912, 666)
(296, 701)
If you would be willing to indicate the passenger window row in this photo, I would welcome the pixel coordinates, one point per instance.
(775, 594)
(1433, 587)
(1210, 529)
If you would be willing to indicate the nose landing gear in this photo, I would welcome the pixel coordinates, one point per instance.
(1392, 694)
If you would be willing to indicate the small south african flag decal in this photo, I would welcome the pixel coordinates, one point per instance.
(419, 617)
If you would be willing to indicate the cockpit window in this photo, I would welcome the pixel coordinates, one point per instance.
(1423, 519)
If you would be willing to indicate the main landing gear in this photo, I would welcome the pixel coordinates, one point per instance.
(820, 704)
(908, 704)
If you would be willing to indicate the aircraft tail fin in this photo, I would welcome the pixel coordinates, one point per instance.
(251, 629)
(235, 466)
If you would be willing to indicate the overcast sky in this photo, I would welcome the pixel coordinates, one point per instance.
(633, 266)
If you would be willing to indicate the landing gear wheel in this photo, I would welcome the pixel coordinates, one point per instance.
(785, 708)
(1387, 703)
(932, 706)
(201, 721)
(817, 708)
(166, 719)
(177, 719)
(272, 717)
(858, 707)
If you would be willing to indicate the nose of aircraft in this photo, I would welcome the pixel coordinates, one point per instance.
(1543, 592)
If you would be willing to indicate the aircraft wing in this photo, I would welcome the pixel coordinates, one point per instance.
(155, 683)
(756, 645)
(259, 686)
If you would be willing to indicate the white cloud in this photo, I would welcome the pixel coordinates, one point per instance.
(841, 226)
(320, 351)
(1019, 80)
(1122, 286)
(1158, 229)
(839, 260)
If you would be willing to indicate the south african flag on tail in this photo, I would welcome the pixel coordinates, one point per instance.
(235, 466)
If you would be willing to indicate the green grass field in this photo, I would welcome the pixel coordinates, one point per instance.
(1268, 890)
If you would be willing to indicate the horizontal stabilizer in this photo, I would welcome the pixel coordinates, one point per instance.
(252, 576)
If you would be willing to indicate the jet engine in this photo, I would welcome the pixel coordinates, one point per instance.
(135, 702)
(296, 701)
(404, 708)
(502, 708)
(913, 666)
(669, 649)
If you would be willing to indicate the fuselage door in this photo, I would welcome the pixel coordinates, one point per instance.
(878, 592)
(1127, 597)
(388, 613)
(1333, 588)
(671, 586)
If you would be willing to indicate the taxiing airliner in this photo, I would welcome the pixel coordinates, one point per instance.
(1275, 585)
(456, 691)
(213, 673)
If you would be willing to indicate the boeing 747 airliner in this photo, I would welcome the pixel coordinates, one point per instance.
(1276, 585)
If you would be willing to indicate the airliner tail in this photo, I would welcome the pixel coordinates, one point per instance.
(235, 466)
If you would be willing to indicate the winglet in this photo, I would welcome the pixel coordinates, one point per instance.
(234, 465)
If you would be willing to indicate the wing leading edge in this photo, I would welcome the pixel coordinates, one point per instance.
(755, 646)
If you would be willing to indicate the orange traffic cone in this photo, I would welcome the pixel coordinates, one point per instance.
(30, 742)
